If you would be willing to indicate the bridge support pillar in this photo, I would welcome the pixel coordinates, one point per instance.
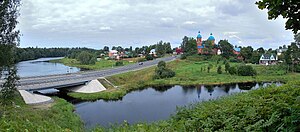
(34, 99)
(93, 86)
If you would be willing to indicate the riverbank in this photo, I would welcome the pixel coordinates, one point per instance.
(99, 65)
(187, 73)
(57, 116)
(267, 109)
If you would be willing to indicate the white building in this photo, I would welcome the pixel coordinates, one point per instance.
(268, 59)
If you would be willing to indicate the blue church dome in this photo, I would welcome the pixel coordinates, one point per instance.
(211, 37)
(199, 35)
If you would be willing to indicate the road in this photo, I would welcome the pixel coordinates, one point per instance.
(64, 80)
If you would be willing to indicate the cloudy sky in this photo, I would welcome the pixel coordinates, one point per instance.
(96, 23)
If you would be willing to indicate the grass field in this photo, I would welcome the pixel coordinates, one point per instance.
(188, 72)
(57, 116)
(266, 109)
(102, 64)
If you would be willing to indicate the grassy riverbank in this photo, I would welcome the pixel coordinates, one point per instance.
(57, 116)
(187, 73)
(266, 109)
(102, 64)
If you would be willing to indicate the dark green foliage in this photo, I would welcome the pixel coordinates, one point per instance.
(246, 70)
(119, 63)
(288, 9)
(189, 46)
(86, 58)
(149, 57)
(30, 53)
(209, 67)
(161, 64)
(227, 66)
(226, 48)
(183, 56)
(9, 87)
(246, 53)
(6, 52)
(162, 71)
(9, 39)
(232, 70)
(219, 70)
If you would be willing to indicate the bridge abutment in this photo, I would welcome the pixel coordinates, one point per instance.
(34, 99)
(93, 86)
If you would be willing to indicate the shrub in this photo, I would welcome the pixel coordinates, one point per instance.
(209, 67)
(149, 57)
(219, 70)
(119, 63)
(232, 70)
(246, 70)
(183, 56)
(227, 66)
(162, 71)
(161, 64)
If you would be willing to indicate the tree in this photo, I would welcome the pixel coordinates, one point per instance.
(261, 50)
(297, 39)
(288, 9)
(189, 46)
(160, 49)
(246, 53)
(9, 39)
(226, 48)
(168, 48)
(9, 87)
(86, 58)
(106, 49)
(255, 57)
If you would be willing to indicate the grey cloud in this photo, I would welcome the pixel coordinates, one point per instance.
(97, 23)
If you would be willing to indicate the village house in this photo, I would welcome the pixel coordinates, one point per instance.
(268, 59)
(152, 52)
(113, 54)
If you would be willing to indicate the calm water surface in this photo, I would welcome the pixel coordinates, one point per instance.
(40, 67)
(151, 104)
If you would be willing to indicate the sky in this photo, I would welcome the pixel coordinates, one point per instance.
(99, 23)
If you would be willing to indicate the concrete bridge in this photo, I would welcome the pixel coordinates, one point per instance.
(27, 85)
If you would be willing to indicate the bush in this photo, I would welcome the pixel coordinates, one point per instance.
(246, 70)
(183, 56)
(161, 64)
(119, 63)
(227, 66)
(162, 71)
(232, 70)
(219, 70)
(149, 57)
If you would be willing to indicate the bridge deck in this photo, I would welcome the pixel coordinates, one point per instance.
(67, 80)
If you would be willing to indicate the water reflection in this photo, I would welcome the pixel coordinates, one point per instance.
(151, 104)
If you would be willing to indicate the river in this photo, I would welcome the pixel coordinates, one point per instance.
(152, 103)
(42, 66)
